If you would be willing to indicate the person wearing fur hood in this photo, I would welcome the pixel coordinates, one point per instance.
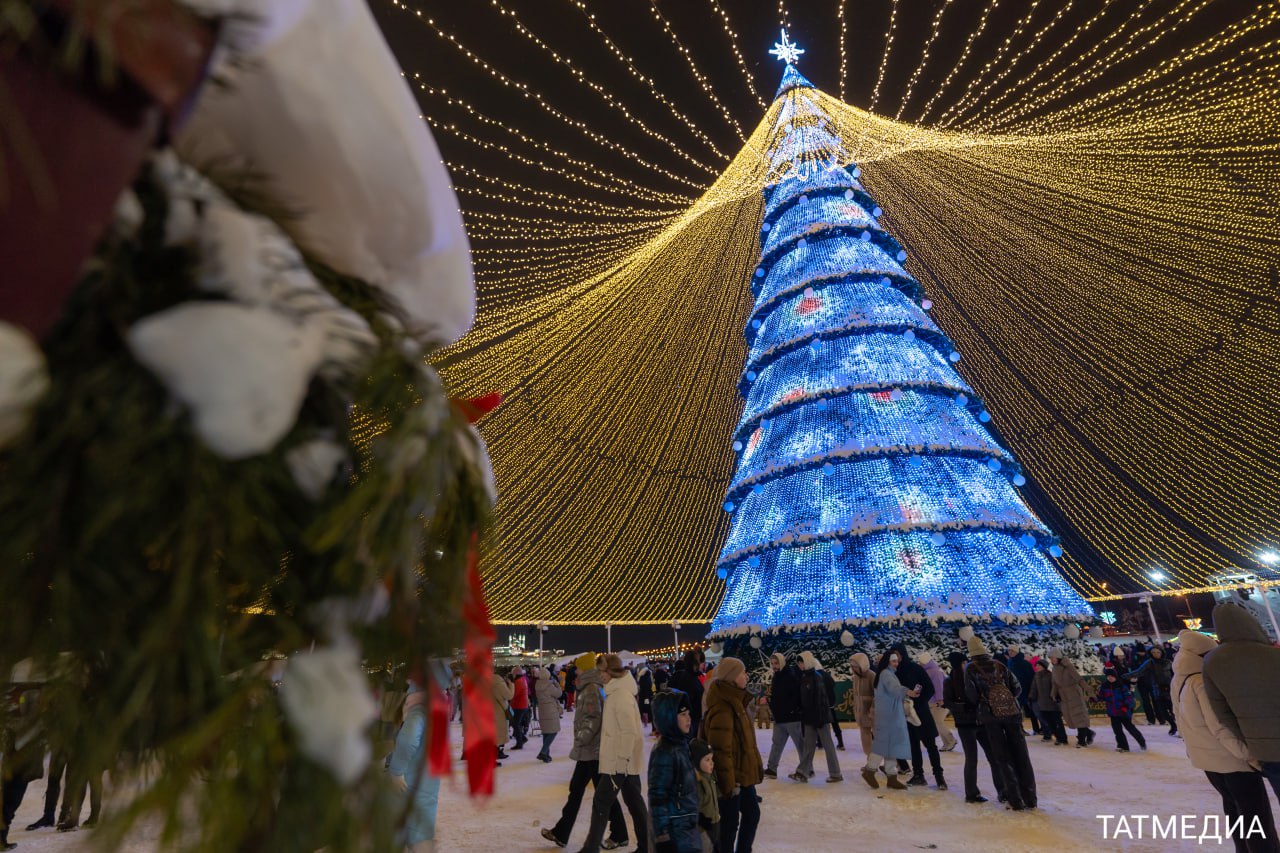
(621, 757)
(863, 689)
(1215, 749)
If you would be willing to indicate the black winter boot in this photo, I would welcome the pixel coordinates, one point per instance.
(942, 782)
(917, 779)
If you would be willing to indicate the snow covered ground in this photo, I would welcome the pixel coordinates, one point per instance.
(1075, 785)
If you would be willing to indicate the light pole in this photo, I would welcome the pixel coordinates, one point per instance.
(1157, 577)
(608, 637)
(541, 626)
(675, 630)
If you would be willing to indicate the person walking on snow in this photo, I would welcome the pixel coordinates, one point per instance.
(1216, 750)
(587, 718)
(924, 737)
(521, 713)
(1071, 693)
(863, 689)
(784, 705)
(621, 758)
(1242, 681)
(408, 774)
(993, 688)
(936, 707)
(1042, 695)
(548, 695)
(815, 714)
(673, 780)
(502, 693)
(1022, 670)
(686, 678)
(1118, 698)
(971, 733)
(727, 727)
(891, 741)
(1160, 670)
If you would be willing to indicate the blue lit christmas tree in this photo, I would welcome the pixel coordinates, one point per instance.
(868, 490)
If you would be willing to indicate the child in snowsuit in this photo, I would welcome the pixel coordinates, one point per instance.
(708, 795)
(1119, 700)
(673, 784)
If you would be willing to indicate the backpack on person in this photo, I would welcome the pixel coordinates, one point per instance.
(997, 695)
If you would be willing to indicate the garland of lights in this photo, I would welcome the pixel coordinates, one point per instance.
(1100, 257)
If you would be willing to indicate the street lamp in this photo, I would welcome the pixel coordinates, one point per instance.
(1269, 558)
(608, 637)
(675, 630)
(542, 626)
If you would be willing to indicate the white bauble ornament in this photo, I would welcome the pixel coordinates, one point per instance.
(1096, 632)
(717, 647)
(966, 632)
(846, 639)
(326, 700)
(754, 642)
(23, 380)
(1072, 632)
(242, 371)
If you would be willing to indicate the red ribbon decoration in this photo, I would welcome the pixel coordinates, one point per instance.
(480, 740)
(439, 759)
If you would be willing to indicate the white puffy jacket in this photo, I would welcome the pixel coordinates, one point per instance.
(1210, 745)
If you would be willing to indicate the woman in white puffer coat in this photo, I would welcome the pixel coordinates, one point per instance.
(1213, 748)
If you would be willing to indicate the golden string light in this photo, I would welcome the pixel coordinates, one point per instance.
(964, 56)
(737, 53)
(537, 97)
(934, 29)
(1106, 265)
(884, 57)
(693, 69)
(844, 56)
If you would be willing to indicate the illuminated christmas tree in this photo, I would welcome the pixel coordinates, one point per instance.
(868, 488)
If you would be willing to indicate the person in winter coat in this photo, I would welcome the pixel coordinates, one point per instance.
(1242, 681)
(22, 748)
(1070, 692)
(925, 735)
(502, 693)
(686, 679)
(1144, 679)
(1118, 698)
(971, 733)
(936, 707)
(815, 714)
(587, 717)
(1023, 671)
(890, 741)
(548, 695)
(784, 704)
(520, 707)
(407, 770)
(1042, 695)
(1157, 672)
(644, 681)
(863, 689)
(727, 727)
(1216, 750)
(992, 687)
(570, 686)
(708, 795)
(673, 780)
(621, 757)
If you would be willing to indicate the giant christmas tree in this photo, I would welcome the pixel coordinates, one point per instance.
(868, 489)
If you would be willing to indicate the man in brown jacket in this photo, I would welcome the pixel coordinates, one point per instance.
(739, 768)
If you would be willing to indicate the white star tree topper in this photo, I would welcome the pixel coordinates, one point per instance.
(786, 50)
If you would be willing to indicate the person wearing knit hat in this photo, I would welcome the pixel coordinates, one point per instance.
(863, 688)
(977, 647)
(784, 704)
(587, 717)
(990, 686)
(708, 799)
(1212, 747)
(520, 707)
(738, 766)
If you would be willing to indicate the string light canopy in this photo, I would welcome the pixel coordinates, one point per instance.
(1091, 216)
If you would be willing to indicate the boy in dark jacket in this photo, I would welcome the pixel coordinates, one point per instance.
(673, 784)
(708, 795)
(1042, 696)
(1119, 700)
